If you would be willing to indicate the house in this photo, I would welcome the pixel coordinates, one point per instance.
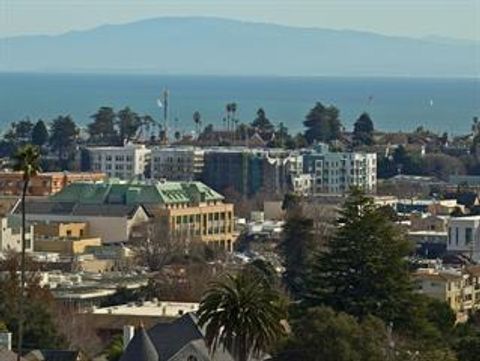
(451, 286)
(464, 236)
(182, 339)
(55, 355)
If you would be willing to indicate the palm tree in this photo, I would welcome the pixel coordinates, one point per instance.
(233, 108)
(26, 161)
(197, 119)
(242, 314)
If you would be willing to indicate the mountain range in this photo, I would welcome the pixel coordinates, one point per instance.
(213, 46)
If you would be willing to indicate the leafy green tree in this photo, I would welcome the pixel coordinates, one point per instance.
(128, 124)
(262, 123)
(323, 124)
(102, 129)
(40, 134)
(364, 269)
(26, 161)
(322, 335)
(242, 314)
(363, 130)
(63, 137)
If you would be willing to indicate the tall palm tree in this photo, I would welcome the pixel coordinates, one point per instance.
(197, 119)
(243, 314)
(26, 161)
(233, 109)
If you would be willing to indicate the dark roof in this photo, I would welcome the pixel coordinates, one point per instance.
(55, 355)
(467, 199)
(176, 341)
(140, 348)
(70, 208)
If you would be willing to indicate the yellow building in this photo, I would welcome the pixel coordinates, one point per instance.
(64, 238)
(456, 288)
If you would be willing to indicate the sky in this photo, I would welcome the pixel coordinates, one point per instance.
(415, 18)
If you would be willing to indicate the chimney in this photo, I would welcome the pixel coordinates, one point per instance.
(128, 333)
(6, 340)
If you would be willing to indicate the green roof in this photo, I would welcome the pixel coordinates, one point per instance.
(137, 192)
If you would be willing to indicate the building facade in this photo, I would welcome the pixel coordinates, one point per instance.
(464, 236)
(337, 172)
(127, 162)
(176, 163)
(11, 235)
(44, 184)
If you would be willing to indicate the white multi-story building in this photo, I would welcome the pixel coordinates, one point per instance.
(464, 236)
(11, 235)
(127, 162)
(176, 163)
(337, 172)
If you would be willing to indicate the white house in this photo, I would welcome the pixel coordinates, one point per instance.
(11, 235)
(127, 162)
(464, 236)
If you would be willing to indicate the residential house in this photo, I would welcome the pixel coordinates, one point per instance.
(11, 234)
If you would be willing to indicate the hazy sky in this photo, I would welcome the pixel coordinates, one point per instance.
(452, 18)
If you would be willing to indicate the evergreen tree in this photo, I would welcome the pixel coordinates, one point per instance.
(102, 130)
(63, 137)
(364, 269)
(321, 334)
(323, 123)
(39, 134)
(296, 248)
(262, 123)
(128, 124)
(363, 130)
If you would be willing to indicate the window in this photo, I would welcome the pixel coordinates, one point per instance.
(468, 235)
(69, 233)
(456, 236)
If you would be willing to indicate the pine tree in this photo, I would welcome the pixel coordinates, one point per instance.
(363, 130)
(39, 134)
(297, 247)
(323, 123)
(364, 269)
(102, 130)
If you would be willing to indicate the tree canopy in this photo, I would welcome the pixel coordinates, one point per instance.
(323, 123)
(363, 130)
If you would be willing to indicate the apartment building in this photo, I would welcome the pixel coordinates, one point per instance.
(337, 172)
(176, 163)
(117, 211)
(459, 288)
(44, 184)
(464, 236)
(454, 287)
(127, 162)
(250, 171)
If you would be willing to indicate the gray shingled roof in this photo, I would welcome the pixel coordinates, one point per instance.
(140, 348)
(55, 355)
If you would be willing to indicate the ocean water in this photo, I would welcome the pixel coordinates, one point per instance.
(393, 103)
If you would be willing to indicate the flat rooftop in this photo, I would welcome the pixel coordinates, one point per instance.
(150, 308)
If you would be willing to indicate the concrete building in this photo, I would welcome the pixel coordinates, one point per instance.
(176, 163)
(127, 162)
(464, 236)
(44, 184)
(11, 234)
(337, 172)
(250, 171)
